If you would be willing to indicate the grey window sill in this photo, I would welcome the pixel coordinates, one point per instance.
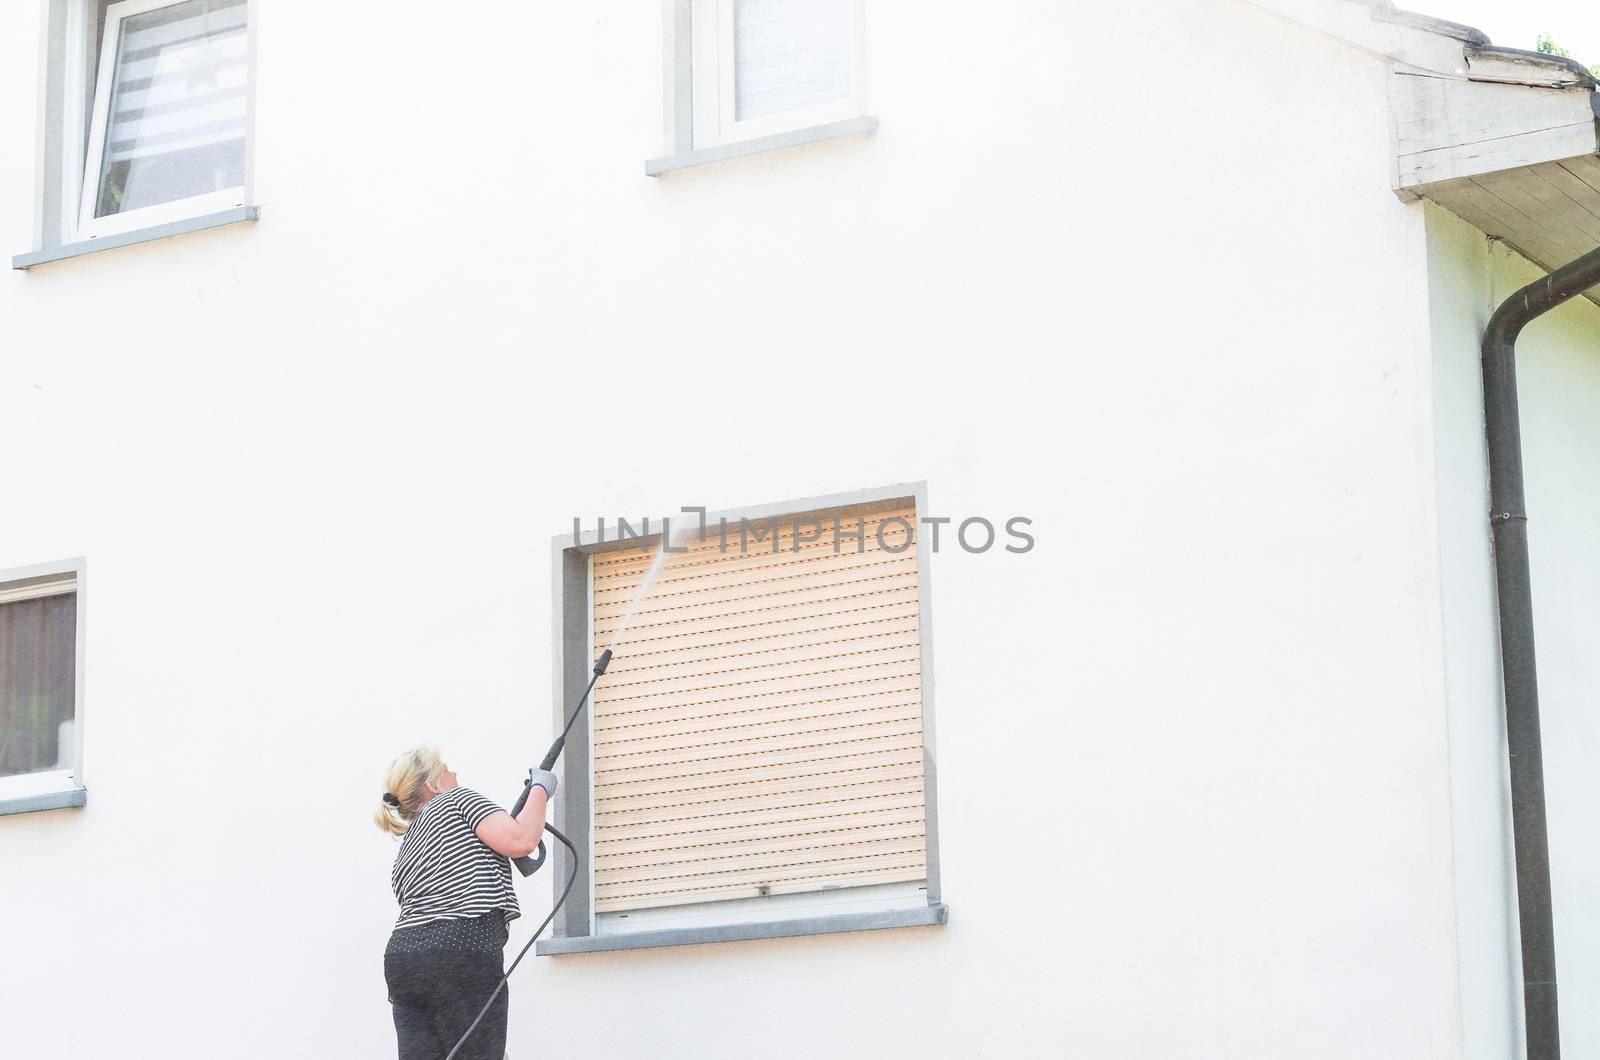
(54, 800)
(142, 235)
(776, 142)
(821, 925)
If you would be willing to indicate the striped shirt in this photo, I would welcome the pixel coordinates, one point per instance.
(444, 871)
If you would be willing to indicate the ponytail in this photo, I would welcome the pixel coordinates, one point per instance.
(403, 784)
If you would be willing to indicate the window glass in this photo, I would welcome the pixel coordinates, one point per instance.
(38, 676)
(176, 125)
(790, 54)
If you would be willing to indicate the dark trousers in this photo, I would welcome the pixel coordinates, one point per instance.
(439, 975)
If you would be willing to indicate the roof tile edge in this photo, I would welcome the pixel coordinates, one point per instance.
(1574, 71)
(1384, 11)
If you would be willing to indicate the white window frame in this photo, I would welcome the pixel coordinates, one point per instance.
(712, 27)
(81, 168)
(51, 781)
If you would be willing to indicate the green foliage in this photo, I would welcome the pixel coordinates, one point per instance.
(1547, 45)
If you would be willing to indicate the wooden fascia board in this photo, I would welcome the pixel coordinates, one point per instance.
(1445, 128)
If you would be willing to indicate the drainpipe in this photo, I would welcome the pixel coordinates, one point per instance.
(1509, 524)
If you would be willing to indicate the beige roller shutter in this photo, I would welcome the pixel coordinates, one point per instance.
(760, 730)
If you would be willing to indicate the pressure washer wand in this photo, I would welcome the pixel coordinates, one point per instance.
(530, 864)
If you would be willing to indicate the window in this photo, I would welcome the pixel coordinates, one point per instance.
(754, 75)
(167, 137)
(40, 639)
(759, 760)
(146, 122)
(764, 66)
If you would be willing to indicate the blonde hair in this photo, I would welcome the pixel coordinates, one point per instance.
(404, 781)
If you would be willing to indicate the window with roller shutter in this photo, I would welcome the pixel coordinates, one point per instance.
(760, 746)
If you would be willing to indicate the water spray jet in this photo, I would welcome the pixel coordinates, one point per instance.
(530, 864)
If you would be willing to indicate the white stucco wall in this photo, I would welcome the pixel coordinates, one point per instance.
(1458, 275)
(1194, 769)
(1559, 374)
(1558, 379)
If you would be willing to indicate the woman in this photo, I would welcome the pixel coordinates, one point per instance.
(453, 883)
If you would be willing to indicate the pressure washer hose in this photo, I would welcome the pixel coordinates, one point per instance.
(528, 866)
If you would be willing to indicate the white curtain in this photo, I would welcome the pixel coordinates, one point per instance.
(790, 54)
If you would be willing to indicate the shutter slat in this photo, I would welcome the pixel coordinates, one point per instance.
(755, 781)
(628, 560)
(778, 860)
(832, 681)
(690, 769)
(750, 719)
(672, 580)
(731, 711)
(736, 669)
(891, 724)
(705, 635)
(821, 788)
(908, 871)
(759, 846)
(805, 818)
(849, 594)
(759, 735)
(710, 649)
(760, 730)
(680, 573)
(650, 632)
(856, 573)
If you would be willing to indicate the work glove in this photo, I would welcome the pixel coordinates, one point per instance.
(545, 779)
